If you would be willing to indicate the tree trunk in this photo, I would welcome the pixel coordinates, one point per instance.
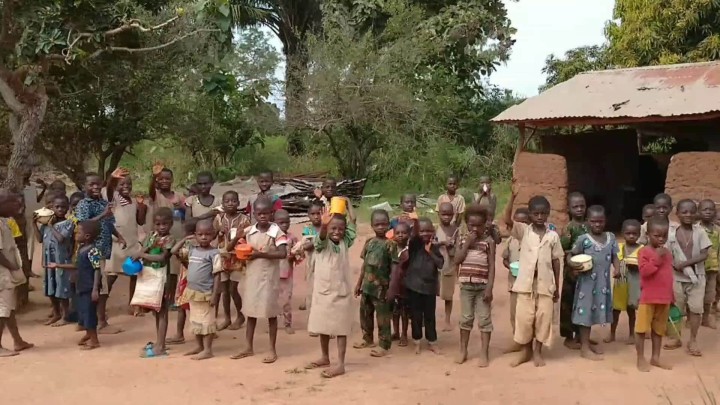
(24, 127)
(296, 69)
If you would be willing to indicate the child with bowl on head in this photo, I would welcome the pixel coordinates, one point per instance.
(327, 192)
(475, 259)
(448, 237)
(203, 202)
(181, 250)
(155, 288)
(262, 276)
(379, 257)
(230, 225)
(456, 201)
(203, 280)
(656, 294)
(689, 245)
(397, 294)
(510, 255)
(331, 310)
(287, 266)
(308, 235)
(712, 263)
(538, 278)
(593, 297)
(626, 288)
(575, 228)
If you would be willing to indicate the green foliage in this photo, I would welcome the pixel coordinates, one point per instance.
(576, 61)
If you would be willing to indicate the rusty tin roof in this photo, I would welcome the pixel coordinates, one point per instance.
(624, 96)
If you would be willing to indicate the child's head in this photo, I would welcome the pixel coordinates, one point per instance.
(577, 206)
(163, 221)
(265, 180)
(485, 183)
(539, 209)
(329, 188)
(164, 180)
(686, 212)
(230, 202)
(50, 197)
(596, 219)
(204, 182)
(262, 209)
(124, 187)
(522, 215)
(204, 233)
(58, 185)
(446, 212)
(380, 222)
(408, 202)
(663, 205)
(282, 219)
(88, 231)
(631, 231)
(93, 186)
(648, 212)
(657, 231)
(10, 204)
(75, 199)
(336, 228)
(476, 218)
(707, 211)
(426, 229)
(401, 233)
(60, 206)
(189, 226)
(452, 185)
(315, 213)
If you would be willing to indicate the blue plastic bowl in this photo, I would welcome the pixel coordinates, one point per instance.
(131, 267)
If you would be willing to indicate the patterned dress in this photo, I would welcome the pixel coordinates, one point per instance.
(593, 296)
(567, 294)
(89, 208)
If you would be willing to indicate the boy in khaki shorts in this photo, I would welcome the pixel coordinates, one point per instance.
(712, 263)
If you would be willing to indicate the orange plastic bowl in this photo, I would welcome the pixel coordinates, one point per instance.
(243, 251)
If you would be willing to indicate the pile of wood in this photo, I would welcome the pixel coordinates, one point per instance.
(298, 202)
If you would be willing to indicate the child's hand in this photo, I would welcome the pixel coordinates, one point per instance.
(472, 237)
(256, 254)
(616, 273)
(52, 265)
(488, 295)
(140, 199)
(318, 193)
(358, 290)
(122, 242)
(157, 168)
(662, 251)
(120, 173)
(95, 296)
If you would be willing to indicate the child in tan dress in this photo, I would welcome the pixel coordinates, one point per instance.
(447, 236)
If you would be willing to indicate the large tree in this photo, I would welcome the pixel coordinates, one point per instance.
(575, 61)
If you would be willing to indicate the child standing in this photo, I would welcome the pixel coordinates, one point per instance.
(230, 225)
(203, 279)
(379, 257)
(663, 206)
(536, 286)
(287, 265)
(262, 276)
(397, 294)
(626, 289)
(593, 297)
(326, 193)
(712, 263)
(155, 288)
(408, 203)
(448, 236)
(486, 196)
(577, 227)
(656, 294)
(476, 273)
(57, 242)
(689, 245)
(331, 310)
(309, 232)
(182, 251)
(203, 202)
(456, 201)
(265, 181)
(511, 254)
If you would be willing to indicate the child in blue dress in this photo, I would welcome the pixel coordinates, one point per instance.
(592, 304)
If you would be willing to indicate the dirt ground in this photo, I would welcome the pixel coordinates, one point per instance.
(115, 374)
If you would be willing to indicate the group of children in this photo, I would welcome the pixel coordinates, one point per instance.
(189, 263)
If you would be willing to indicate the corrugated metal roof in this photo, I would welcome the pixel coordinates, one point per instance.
(624, 95)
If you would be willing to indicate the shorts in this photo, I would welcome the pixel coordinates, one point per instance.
(235, 276)
(87, 311)
(710, 287)
(202, 318)
(652, 317)
(473, 306)
(533, 318)
(7, 302)
(690, 295)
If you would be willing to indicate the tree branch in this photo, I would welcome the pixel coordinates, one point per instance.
(9, 95)
(150, 48)
(135, 24)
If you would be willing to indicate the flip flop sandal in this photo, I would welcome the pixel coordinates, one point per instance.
(149, 352)
(175, 341)
(314, 365)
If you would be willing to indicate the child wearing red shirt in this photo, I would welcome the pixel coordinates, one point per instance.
(656, 293)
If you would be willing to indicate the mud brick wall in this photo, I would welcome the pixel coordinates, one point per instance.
(694, 175)
(543, 174)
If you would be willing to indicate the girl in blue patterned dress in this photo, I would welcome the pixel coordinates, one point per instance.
(592, 304)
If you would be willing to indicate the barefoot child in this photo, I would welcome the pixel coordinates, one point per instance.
(287, 265)
(203, 202)
(397, 294)
(309, 232)
(331, 310)
(379, 257)
(511, 254)
(476, 273)
(230, 225)
(626, 288)
(593, 297)
(181, 250)
(57, 242)
(536, 286)
(203, 279)
(712, 263)
(155, 288)
(262, 276)
(576, 227)
(689, 245)
(448, 236)
(656, 280)
(11, 274)
(456, 201)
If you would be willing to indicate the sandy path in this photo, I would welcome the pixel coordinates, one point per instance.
(115, 374)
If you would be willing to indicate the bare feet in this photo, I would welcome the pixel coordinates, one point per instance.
(322, 363)
(194, 351)
(692, 349)
(243, 354)
(108, 330)
(448, 327)
(630, 341)
(61, 322)
(461, 357)
(610, 338)
(483, 360)
(642, 365)
(238, 323)
(524, 357)
(204, 355)
(7, 353)
(403, 342)
(52, 320)
(596, 349)
(538, 359)
(23, 345)
(660, 364)
(90, 346)
(289, 330)
(224, 325)
(378, 353)
(138, 312)
(333, 372)
(417, 347)
(709, 322)
(175, 340)
(312, 334)
(363, 345)
(672, 344)
(514, 348)
(593, 342)
(590, 354)
(571, 344)
(434, 348)
(83, 340)
(272, 358)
